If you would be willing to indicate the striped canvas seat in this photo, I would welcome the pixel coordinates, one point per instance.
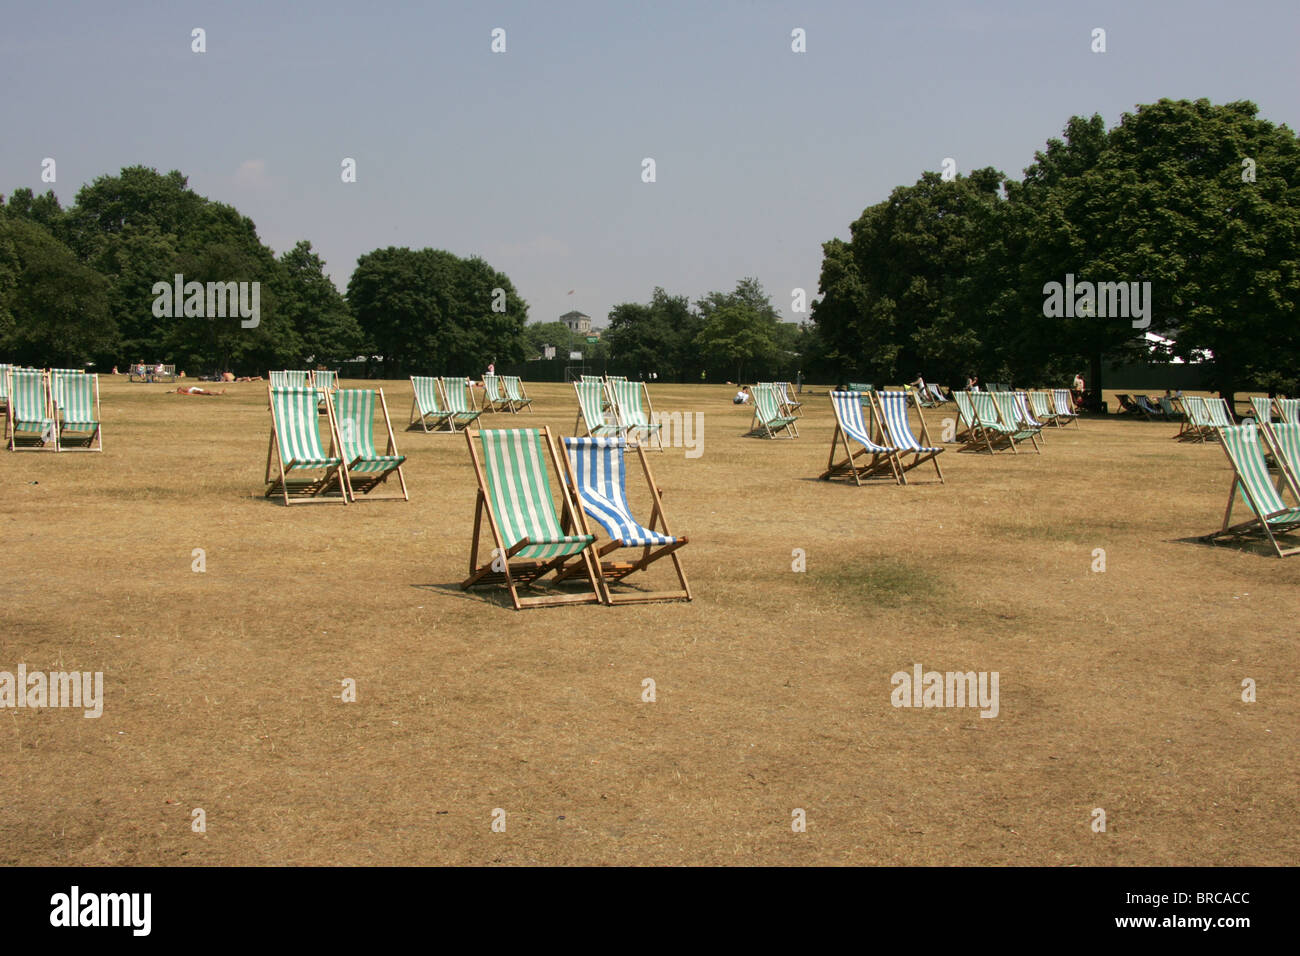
(1242, 445)
(494, 400)
(1288, 410)
(892, 408)
(1167, 407)
(1026, 415)
(592, 402)
(1284, 440)
(596, 470)
(529, 538)
(1197, 426)
(1063, 406)
(427, 410)
(4, 388)
(325, 379)
(457, 400)
(788, 404)
(768, 420)
(365, 468)
(851, 427)
(296, 446)
(996, 416)
(969, 431)
(936, 393)
(1147, 409)
(1263, 409)
(1041, 404)
(515, 393)
(290, 379)
(31, 418)
(631, 413)
(77, 410)
(1220, 414)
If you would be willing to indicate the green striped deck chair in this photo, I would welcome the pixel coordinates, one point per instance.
(592, 378)
(615, 378)
(1026, 414)
(995, 431)
(788, 404)
(31, 424)
(325, 382)
(923, 397)
(1009, 415)
(970, 433)
(892, 408)
(1263, 409)
(4, 394)
(365, 468)
(527, 535)
(635, 417)
(515, 394)
(456, 398)
(76, 408)
(290, 379)
(1220, 414)
(768, 421)
(1284, 440)
(595, 469)
(296, 448)
(592, 402)
(427, 409)
(1197, 426)
(1041, 405)
(1063, 405)
(1250, 476)
(493, 399)
(1170, 410)
(1288, 410)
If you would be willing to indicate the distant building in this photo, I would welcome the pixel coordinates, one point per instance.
(577, 322)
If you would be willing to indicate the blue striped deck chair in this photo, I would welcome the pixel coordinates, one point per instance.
(850, 427)
(768, 421)
(788, 404)
(76, 409)
(458, 400)
(364, 467)
(1288, 410)
(515, 393)
(637, 418)
(493, 399)
(427, 409)
(1196, 427)
(1263, 409)
(892, 409)
(592, 402)
(30, 425)
(1144, 405)
(1026, 415)
(1250, 476)
(296, 448)
(528, 537)
(1063, 406)
(595, 469)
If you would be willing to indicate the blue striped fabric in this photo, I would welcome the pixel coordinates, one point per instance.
(848, 412)
(894, 407)
(602, 489)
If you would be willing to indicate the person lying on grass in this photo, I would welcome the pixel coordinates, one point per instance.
(195, 390)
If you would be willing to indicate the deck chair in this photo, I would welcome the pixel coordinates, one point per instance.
(937, 393)
(1009, 415)
(4, 394)
(1283, 439)
(635, 417)
(494, 400)
(458, 400)
(787, 403)
(1026, 416)
(1170, 411)
(998, 425)
(1063, 405)
(30, 425)
(970, 433)
(1288, 410)
(527, 535)
(851, 427)
(76, 409)
(364, 468)
(290, 379)
(427, 411)
(595, 470)
(1250, 474)
(1220, 414)
(324, 381)
(592, 402)
(1041, 405)
(296, 447)
(1263, 409)
(1152, 412)
(515, 393)
(1196, 426)
(1126, 404)
(892, 408)
(768, 420)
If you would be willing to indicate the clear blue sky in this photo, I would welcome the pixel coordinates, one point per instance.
(532, 158)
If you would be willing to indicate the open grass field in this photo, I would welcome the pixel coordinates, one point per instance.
(1119, 690)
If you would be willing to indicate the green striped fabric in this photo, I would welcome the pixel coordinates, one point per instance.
(591, 400)
(4, 382)
(296, 430)
(458, 400)
(322, 379)
(1217, 409)
(290, 379)
(355, 413)
(592, 378)
(1005, 403)
(31, 406)
(627, 399)
(515, 390)
(1263, 408)
(426, 396)
(965, 408)
(519, 493)
(986, 411)
(493, 389)
(1286, 442)
(768, 408)
(1289, 410)
(1197, 413)
(1242, 444)
(74, 396)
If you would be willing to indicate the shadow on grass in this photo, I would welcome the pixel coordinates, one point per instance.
(1239, 543)
(882, 583)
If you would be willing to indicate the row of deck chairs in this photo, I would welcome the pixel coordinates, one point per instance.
(54, 410)
(1246, 447)
(531, 540)
(298, 466)
(774, 413)
(505, 393)
(616, 408)
(888, 448)
(1002, 420)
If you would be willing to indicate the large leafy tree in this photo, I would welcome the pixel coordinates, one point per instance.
(739, 329)
(658, 336)
(322, 324)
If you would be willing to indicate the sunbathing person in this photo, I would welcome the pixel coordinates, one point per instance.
(195, 390)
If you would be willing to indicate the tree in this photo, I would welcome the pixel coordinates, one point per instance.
(322, 323)
(657, 337)
(738, 327)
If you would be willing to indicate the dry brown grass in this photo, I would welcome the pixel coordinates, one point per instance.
(1118, 690)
